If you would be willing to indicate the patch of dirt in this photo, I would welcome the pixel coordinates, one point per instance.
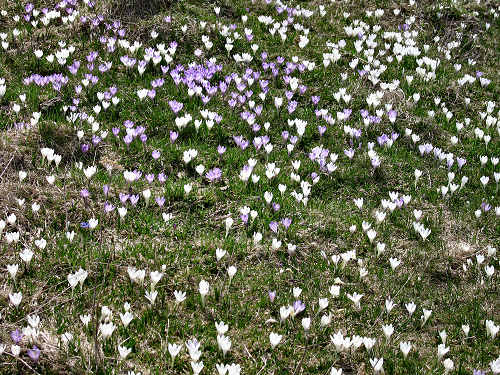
(17, 153)
(459, 248)
(136, 10)
(455, 244)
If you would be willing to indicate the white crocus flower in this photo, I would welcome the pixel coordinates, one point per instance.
(275, 339)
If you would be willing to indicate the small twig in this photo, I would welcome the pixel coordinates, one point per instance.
(97, 352)
(246, 349)
(40, 308)
(383, 311)
(263, 367)
(96, 344)
(7, 166)
(300, 362)
(22, 361)
(168, 328)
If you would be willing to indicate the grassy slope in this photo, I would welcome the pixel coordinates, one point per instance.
(431, 273)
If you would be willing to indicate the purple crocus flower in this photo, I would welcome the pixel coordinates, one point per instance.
(162, 178)
(272, 295)
(349, 153)
(400, 202)
(157, 82)
(214, 174)
(173, 136)
(155, 154)
(382, 140)
(485, 206)
(124, 197)
(105, 190)
(273, 225)
(84, 193)
(221, 149)
(299, 306)
(292, 106)
(222, 87)
(276, 206)
(257, 142)
(16, 336)
(128, 139)
(134, 199)
(73, 69)
(244, 218)
(392, 114)
(175, 105)
(128, 124)
(96, 140)
(92, 56)
(286, 222)
(160, 201)
(244, 144)
(449, 163)
(34, 353)
(108, 207)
